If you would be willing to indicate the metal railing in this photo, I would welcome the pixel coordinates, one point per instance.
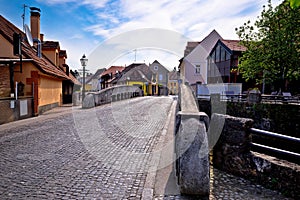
(277, 145)
(264, 98)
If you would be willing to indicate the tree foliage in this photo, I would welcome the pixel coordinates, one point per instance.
(294, 3)
(273, 47)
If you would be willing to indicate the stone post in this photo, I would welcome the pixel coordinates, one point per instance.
(232, 150)
(76, 99)
(191, 145)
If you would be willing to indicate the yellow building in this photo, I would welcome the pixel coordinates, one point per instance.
(139, 75)
(44, 77)
(173, 82)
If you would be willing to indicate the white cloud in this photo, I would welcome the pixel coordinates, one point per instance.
(76, 36)
(92, 3)
(187, 17)
(95, 3)
(193, 18)
(147, 41)
(51, 2)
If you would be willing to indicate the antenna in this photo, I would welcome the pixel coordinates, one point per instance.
(23, 15)
(28, 35)
(135, 55)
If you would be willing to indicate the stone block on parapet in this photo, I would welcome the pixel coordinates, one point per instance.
(76, 99)
(231, 136)
(192, 150)
(89, 101)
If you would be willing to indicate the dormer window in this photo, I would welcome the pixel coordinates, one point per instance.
(197, 69)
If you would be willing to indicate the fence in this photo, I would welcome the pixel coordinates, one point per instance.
(274, 144)
(275, 99)
(236, 152)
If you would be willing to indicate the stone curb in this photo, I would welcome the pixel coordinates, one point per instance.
(148, 192)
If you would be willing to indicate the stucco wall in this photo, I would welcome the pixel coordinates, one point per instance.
(26, 73)
(6, 48)
(190, 72)
(4, 81)
(199, 57)
(51, 55)
(50, 91)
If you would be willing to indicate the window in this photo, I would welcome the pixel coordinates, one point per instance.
(160, 77)
(213, 56)
(218, 52)
(156, 68)
(223, 54)
(227, 56)
(198, 69)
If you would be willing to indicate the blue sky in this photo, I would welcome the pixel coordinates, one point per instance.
(83, 26)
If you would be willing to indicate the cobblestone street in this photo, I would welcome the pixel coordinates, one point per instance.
(103, 153)
(100, 153)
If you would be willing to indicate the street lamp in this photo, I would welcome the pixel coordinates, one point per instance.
(83, 61)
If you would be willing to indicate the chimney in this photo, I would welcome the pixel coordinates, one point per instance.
(35, 22)
(42, 37)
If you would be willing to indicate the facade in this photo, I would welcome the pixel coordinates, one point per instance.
(140, 75)
(45, 79)
(93, 81)
(173, 82)
(193, 67)
(160, 77)
(109, 75)
(223, 62)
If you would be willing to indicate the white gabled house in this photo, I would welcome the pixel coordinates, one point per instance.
(193, 67)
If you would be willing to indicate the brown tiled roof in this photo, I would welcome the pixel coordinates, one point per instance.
(63, 53)
(190, 47)
(136, 75)
(51, 45)
(127, 69)
(7, 30)
(174, 75)
(139, 73)
(113, 70)
(234, 45)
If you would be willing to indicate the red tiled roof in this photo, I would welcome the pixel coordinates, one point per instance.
(113, 70)
(51, 45)
(234, 45)
(7, 29)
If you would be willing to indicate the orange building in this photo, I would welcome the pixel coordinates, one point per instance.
(42, 75)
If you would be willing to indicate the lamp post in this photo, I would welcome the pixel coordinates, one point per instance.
(83, 61)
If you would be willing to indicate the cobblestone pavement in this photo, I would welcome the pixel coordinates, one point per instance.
(226, 186)
(101, 153)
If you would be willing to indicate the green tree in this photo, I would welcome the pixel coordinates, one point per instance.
(294, 3)
(273, 47)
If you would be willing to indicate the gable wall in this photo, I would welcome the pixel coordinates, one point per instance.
(199, 57)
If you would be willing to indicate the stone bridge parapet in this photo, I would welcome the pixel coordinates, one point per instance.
(191, 145)
(108, 95)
